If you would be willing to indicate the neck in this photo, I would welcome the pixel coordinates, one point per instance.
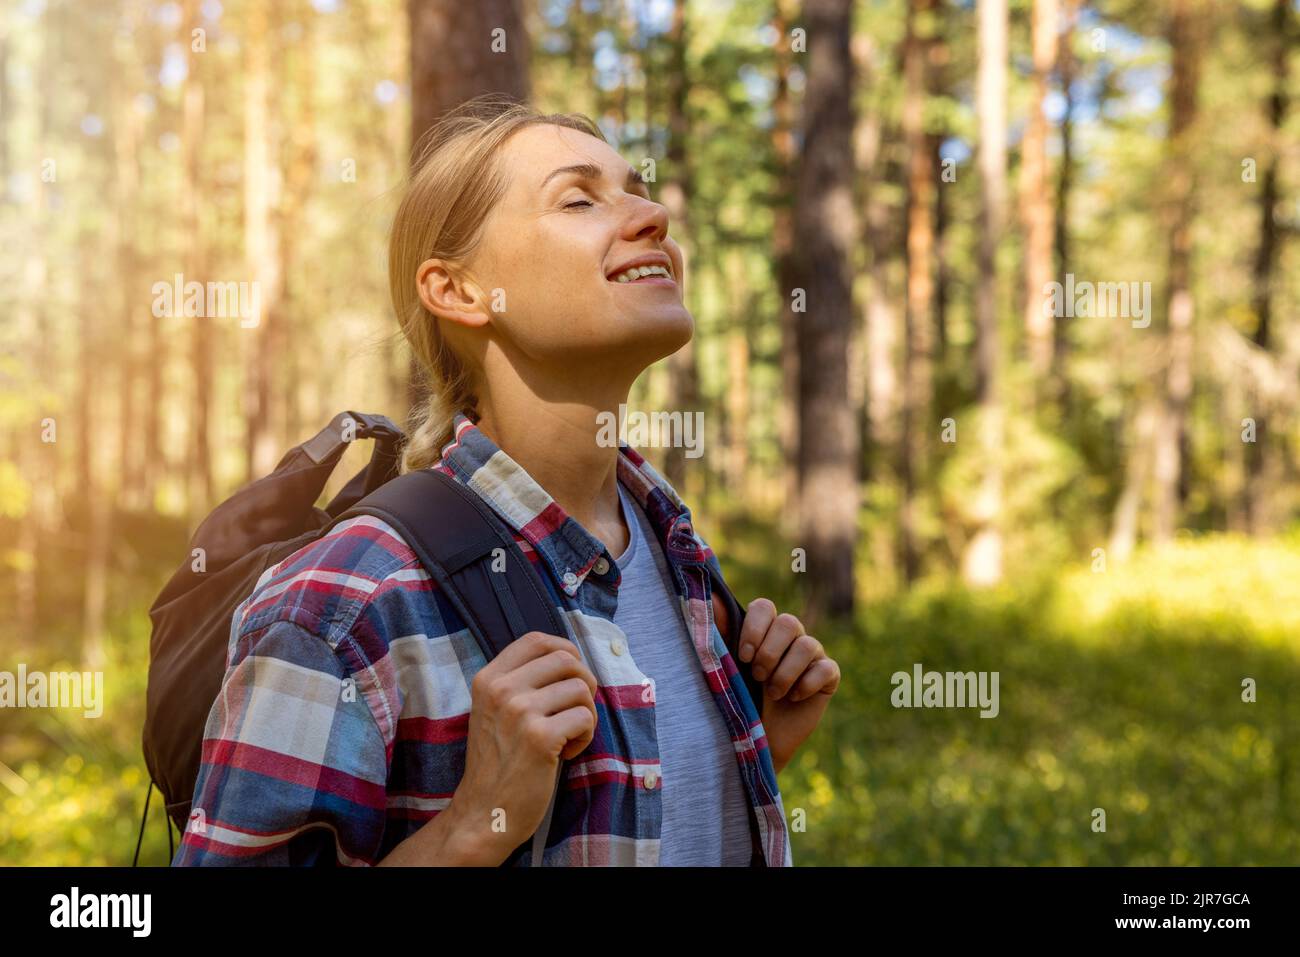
(556, 442)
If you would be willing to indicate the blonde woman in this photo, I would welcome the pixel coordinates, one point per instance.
(535, 279)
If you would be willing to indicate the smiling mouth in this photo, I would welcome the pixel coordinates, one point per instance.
(643, 274)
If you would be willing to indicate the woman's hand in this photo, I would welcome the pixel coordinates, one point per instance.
(531, 707)
(797, 676)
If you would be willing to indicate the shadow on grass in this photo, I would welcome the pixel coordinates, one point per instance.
(1140, 716)
(1135, 710)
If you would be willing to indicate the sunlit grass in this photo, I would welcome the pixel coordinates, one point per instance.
(1119, 690)
(72, 788)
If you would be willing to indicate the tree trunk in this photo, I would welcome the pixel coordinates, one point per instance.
(1061, 214)
(683, 372)
(94, 490)
(40, 462)
(943, 271)
(1171, 438)
(1036, 200)
(126, 168)
(782, 246)
(1138, 455)
(300, 158)
(918, 354)
(261, 246)
(982, 562)
(937, 84)
(452, 61)
(1261, 455)
(824, 232)
(882, 325)
(881, 334)
(201, 485)
(738, 402)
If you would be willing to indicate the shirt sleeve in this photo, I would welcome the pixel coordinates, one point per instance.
(294, 766)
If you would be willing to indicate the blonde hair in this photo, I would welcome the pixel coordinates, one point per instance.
(454, 183)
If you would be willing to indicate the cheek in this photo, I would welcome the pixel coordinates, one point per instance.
(547, 306)
(553, 286)
(522, 280)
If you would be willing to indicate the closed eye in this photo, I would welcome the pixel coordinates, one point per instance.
(578, 203)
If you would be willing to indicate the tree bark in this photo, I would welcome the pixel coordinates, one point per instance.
(879, 417)
(1171, 439)
(452, 61)
(824, 233)
(1262, 455)
(126, 168)
(918, 351)
(782, 247)
(39, 459)
(300, 172)
(738, 401)
(683, 372)
(982, 562)
(1064, 183)
(261, 246)
(1036, 201)
(201, 485)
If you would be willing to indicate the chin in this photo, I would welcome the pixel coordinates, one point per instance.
(665, 335)
(640, 340)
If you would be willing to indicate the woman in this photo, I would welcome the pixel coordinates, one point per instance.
(358, 724)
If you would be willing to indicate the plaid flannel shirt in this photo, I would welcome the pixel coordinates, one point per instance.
(342, 720)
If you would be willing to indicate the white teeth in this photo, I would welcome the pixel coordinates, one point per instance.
(638, 272)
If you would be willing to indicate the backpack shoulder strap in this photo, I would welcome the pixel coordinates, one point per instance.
(461, 542)
(457, 537)
(729, 616)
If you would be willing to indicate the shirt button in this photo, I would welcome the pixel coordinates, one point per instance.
(651, 779)
(601, 566)
(617, 646)
(570, 579)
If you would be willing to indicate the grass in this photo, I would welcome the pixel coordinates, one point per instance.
(1119, 691)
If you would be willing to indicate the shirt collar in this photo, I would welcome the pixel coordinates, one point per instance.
(567, 548)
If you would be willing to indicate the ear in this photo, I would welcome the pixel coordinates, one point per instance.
(449, 294)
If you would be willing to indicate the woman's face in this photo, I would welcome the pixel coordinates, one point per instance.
(573, 219)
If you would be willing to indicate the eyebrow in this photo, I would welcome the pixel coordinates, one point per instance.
(592, 171)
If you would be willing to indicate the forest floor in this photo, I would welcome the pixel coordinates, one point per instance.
(1121, 706)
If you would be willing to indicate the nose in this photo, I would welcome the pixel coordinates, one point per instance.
(646, 219)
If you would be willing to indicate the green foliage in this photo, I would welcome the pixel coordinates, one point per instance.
(1043, 484)
(1119, 691)
(72, 788)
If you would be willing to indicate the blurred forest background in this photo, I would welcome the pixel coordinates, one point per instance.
(873, 197)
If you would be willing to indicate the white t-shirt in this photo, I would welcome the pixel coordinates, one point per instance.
(705, 809)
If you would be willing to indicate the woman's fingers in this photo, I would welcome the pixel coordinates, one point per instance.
(823, 675)
(781, 634)
(803, 651)
(554, 666)
(758, 618)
